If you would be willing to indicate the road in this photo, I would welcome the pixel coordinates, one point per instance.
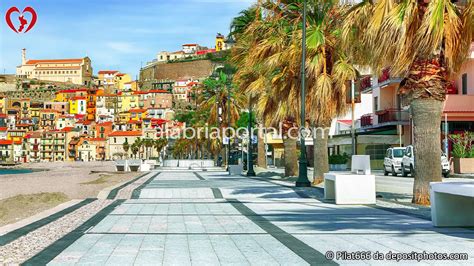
(211, 218)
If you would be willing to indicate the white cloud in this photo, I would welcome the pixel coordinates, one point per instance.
(124, 47)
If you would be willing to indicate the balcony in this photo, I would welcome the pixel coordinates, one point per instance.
(366, 120)
(387, 117)
(392, 115)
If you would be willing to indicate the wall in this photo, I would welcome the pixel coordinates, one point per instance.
(467, 67)
(176, 71)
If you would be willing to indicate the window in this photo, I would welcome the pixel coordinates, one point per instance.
(115, 140)
(464, 83)
(376, 104)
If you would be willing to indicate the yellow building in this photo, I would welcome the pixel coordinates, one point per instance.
(77, 105)
(120, 79)
(2, 104)
(128, 101)
(220, 42)
(138, 114)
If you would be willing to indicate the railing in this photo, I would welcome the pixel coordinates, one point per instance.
(392, 115)
(366, 120)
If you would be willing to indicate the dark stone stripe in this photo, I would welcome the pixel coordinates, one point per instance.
(299, 192)
(199, 176)
(113, 193)
(53, 250)
(307, 253)
(217, 193)
(136, 192)
(15, 234)
(399, 211)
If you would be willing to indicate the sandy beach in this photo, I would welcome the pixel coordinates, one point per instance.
(70, 178)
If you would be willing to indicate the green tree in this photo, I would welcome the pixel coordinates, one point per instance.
(424, 42)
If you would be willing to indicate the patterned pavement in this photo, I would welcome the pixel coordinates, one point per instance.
(211, 218)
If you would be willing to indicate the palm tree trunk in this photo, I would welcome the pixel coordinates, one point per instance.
(426, 115)
(321, 161)
(290, 156)
(262, 155)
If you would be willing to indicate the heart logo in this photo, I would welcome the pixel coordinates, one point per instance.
(23, 21)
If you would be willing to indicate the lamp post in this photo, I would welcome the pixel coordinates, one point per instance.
(228, 124)
(250, 171)
(302, 180)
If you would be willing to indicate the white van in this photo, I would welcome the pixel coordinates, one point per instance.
(392, 162)
(408, 162)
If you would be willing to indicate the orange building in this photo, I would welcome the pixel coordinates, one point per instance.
(103, 129)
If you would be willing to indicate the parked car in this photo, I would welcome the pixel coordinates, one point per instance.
(392, 162)
(408, 163)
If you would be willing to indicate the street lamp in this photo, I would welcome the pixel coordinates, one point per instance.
(302, 180)
(250, 171)
(228, 122)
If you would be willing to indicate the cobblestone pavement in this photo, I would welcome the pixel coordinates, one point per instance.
(211, 218)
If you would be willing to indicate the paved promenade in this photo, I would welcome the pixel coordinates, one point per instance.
(211, 218)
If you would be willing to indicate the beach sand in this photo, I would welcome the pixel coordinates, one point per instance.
(64, 177)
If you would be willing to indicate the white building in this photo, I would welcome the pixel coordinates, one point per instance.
(76, 70)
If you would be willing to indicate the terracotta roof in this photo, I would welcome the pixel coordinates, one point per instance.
(459, 104)
(37, 61)
(347, 122)
(158, 91)
(6, 142)
(71, 90)
(108, 123)
(96, 139)
(58, 67)
(68, 129)
(137, 110)
(48, 111)
(78, 98)
(190, 44)
(125, 134)
(3, 128)
(120, 74)
(3, 115)
(107, 71)
(134, 122)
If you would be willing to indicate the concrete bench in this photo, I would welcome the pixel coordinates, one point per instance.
(134, 164)
(121, 166)
(236, 169)
(349, 189)
(452, 204)
(360, 163)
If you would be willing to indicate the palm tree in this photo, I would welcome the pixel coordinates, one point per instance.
(126, 147)
(148, 143)
(269, 58)
(136, 147)
(424, 42)
(160, 144)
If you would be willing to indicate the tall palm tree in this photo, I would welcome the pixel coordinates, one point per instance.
(216, 95)
(424, 42)
(269, 58)
(160, 144)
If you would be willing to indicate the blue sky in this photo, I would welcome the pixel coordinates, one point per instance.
(115, 34)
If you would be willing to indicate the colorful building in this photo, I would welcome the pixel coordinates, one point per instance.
(77, 105)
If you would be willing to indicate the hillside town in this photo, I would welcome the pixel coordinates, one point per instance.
(61, 110)
(309, 133)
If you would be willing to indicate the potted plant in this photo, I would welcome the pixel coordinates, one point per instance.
(463, 153)
(338, 162)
